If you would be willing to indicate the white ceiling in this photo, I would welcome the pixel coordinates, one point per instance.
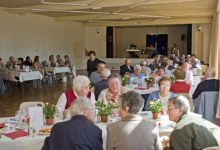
(117, 12)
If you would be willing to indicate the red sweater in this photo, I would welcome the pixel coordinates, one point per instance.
(70, 97)
(180, 87)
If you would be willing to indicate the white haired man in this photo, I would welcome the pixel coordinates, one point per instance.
(80, 89)
(79, 133)
(192, 132)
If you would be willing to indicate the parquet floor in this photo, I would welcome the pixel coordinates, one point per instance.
(9, 102)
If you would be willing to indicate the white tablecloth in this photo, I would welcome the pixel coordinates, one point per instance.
(27, 76)
(56, 70)
(36, 142)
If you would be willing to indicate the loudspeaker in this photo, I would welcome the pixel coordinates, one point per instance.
(183, 37)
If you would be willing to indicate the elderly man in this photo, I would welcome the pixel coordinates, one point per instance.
(103, 84)
(96, 75)
(79, 133)
(80, 89)
(206, 96)
(192, 132)
(133, 132)
(126, 69)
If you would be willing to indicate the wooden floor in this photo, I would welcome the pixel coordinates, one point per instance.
(9, 102)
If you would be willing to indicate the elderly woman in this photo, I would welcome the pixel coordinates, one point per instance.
(114, 90)
(192, 132)
(163, 94)
(77, 133)
(180, 85)
(137, 72)
(80, 89)
(133, 132)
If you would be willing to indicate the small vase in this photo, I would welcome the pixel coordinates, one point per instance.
(104, 118)
(155, 115)
(49, 121)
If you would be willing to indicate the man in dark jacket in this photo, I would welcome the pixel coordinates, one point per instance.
(126, 68)
(79, 133)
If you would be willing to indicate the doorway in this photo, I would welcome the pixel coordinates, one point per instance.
(159, 42)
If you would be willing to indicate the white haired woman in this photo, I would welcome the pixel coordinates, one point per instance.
(192, 132)
(114, 90)
(77, 133)
(80, 89)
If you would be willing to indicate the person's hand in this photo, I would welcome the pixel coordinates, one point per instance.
(165, 140)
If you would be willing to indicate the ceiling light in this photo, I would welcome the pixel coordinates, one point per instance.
(68, 4)
(97, 8)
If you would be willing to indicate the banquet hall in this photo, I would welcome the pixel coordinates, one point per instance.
(52, 48)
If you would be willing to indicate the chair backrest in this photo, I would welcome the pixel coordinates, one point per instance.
(25, 105)
(11, 76)
(206, 105)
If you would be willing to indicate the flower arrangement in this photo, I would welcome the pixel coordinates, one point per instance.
(149, 80)
(156, 106)
(49, 110)
(104, 109)
(125, 80)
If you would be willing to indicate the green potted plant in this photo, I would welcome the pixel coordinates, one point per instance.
(49, 113)
(125, 80)
(149, 81)
(104, 110)
(155, 108)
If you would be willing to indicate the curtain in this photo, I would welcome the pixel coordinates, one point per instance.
(215, 42)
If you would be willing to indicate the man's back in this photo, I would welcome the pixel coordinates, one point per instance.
(75, 134)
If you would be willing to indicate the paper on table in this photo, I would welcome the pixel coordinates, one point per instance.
(36, 117)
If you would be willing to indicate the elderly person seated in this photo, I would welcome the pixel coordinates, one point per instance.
(137, 77)
(127, 68)
(160, 72)
(206, 96)
(137, 72)
(144, 68)
(165, 64)
(163, 94)
(80, 89)
(96, 75)
(11, 63)
(180, 85)
(192, 132)
(103, 84)
(79, 133)
(114, 90)
(52, 61)
(133, 132)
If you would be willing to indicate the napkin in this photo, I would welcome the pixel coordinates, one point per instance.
(16, 134)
